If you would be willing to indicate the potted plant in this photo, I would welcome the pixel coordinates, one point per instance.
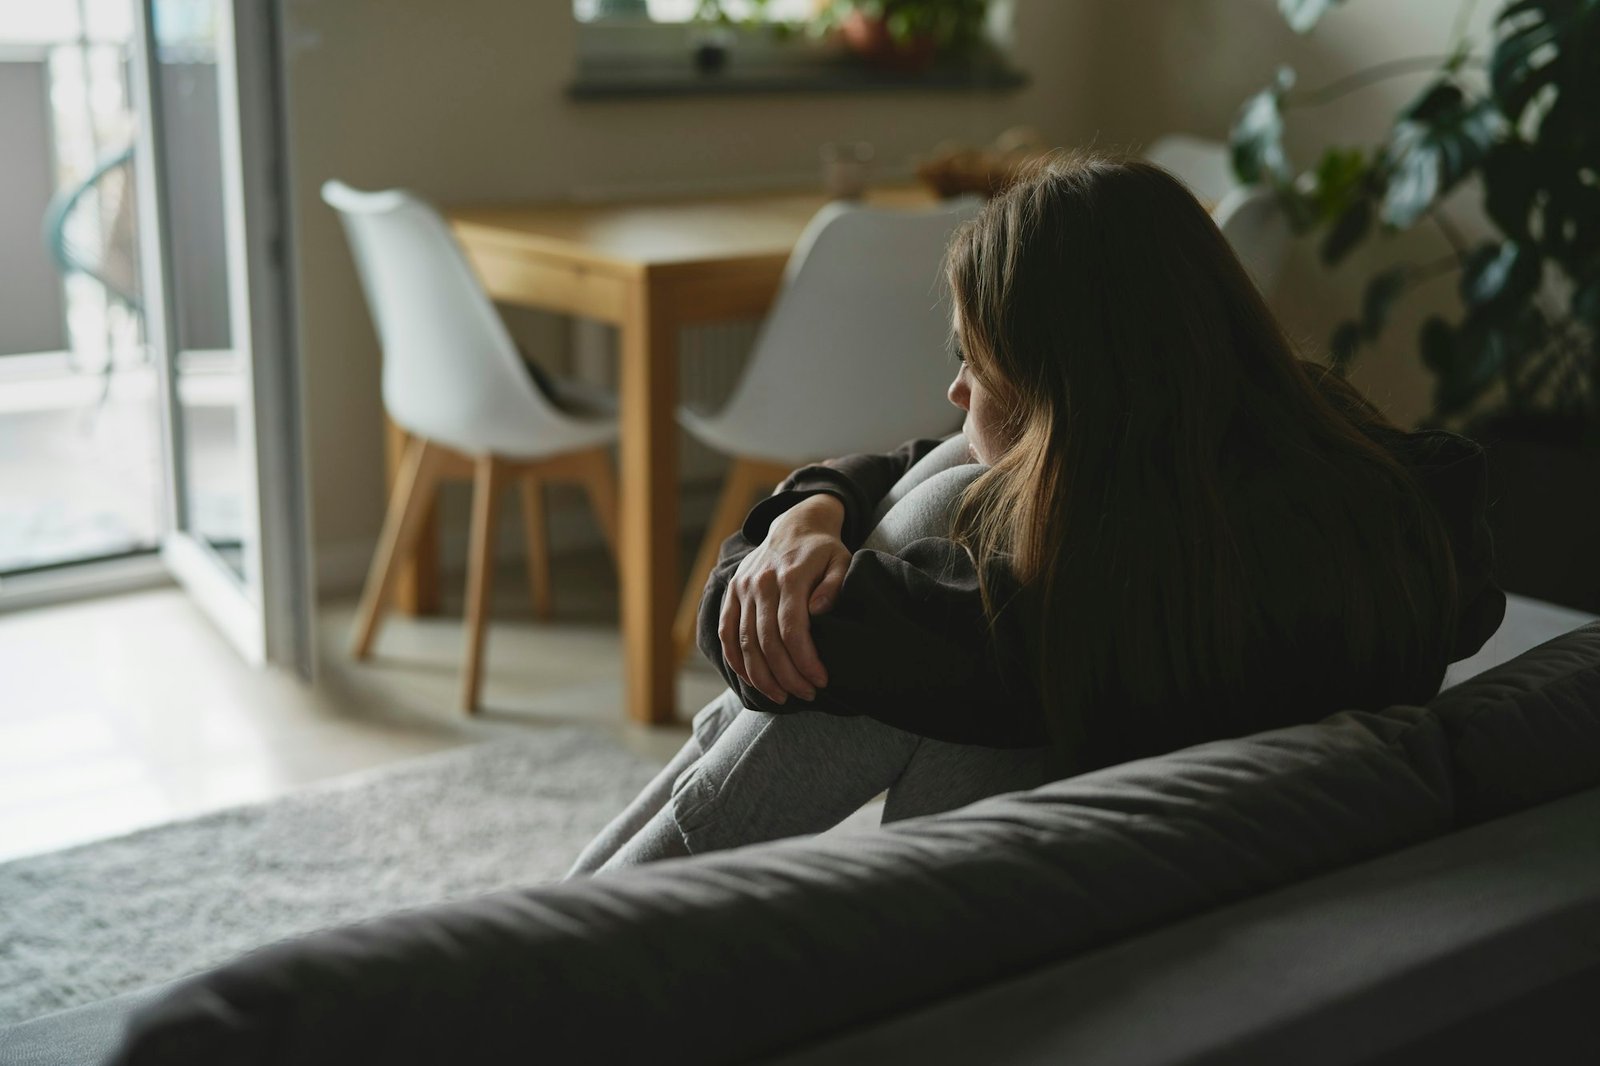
(1518, 367)
(907, 35)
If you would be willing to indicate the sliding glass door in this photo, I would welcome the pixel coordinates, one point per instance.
(219, 319)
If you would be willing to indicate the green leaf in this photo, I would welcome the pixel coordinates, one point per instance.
(1571, 211)
(1522, 62)
(1345, 343)
(1467, 368)
(1382, 290)
(1510, 184)
(1586, 297)
(1257, 135)
(1339, 180)
(1502, 275)
(1347, 232)
(1437, 342)
(1302, 15)
(1441, 137)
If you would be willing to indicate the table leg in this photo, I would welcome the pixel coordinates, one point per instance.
(416, 589)
(649, 489)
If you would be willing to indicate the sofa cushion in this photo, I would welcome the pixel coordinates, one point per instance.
(1527, 731)
(727, 956)
(1391, 960)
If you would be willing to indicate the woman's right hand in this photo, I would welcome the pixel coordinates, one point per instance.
(796, 572)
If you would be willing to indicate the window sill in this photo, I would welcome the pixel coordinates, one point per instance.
(665, 81)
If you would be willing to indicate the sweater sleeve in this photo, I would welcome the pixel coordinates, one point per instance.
(907, 643)
(858, 481)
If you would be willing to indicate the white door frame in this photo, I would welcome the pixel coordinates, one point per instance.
(266, 615)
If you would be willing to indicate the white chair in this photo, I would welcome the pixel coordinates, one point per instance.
(455, 382)
(853, 357)
(1254, 224)
(1204, 165)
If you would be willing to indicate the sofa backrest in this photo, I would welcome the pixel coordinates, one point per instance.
(732, 956)
(729, 956)
(1527, 731)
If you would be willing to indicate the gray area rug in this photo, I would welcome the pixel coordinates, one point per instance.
(79, 925)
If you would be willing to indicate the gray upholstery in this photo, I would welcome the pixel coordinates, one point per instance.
(788, 941)
(1381, 957)
(1527, 731)
(1164, 911)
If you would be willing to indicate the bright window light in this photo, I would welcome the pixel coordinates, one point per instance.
(684, 10)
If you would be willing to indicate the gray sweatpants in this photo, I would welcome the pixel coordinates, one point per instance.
(745, 776)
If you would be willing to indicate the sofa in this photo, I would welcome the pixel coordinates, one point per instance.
(1416, 885)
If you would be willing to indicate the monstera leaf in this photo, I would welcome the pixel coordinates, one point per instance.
(1302, 15)
(1531, 135)
(1503, 275)
(1439, 139)
(1257, 135)
(1546, 43)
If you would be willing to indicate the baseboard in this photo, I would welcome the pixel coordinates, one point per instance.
(342, 565)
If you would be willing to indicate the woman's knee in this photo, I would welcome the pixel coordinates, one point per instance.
(776, 775)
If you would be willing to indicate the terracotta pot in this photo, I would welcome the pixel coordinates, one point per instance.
(869, 37)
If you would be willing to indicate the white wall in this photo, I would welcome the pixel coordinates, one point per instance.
(465, 101)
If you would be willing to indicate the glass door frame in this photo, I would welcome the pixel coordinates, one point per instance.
(267, 615)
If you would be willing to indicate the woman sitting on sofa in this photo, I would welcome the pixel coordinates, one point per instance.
(1159, 528)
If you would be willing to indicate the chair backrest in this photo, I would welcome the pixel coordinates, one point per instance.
(855, 354)
(1254, 224)
(451, 372)
(1203, 165)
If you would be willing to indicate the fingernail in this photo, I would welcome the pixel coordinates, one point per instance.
(808, 695)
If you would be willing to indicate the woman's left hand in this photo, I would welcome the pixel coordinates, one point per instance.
(765, 624)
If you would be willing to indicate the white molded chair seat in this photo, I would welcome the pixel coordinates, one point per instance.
(1206, 166)
(853, 357)
(451, 372)
(1249, 216)
(1256, 227)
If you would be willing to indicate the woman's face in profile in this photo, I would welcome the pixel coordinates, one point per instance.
(983, 424)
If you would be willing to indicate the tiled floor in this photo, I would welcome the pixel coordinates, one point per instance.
(130, 711)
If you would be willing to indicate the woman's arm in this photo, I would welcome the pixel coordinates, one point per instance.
(822, 512)
(857, 481)
(907, 643)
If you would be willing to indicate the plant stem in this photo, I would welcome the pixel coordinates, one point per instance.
(1428, 271)
(1371, 76)
(1458, 34)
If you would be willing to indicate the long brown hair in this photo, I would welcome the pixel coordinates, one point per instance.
(1196, 515)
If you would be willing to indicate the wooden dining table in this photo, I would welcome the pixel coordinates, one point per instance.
(651, 269)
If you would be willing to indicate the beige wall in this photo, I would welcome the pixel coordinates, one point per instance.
(465, 101)
(1161, 65)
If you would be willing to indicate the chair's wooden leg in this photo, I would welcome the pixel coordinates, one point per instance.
(416, 584)
(600, 482)
(533, 520)
(745, 478)
(486, 483)
(409, 505)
